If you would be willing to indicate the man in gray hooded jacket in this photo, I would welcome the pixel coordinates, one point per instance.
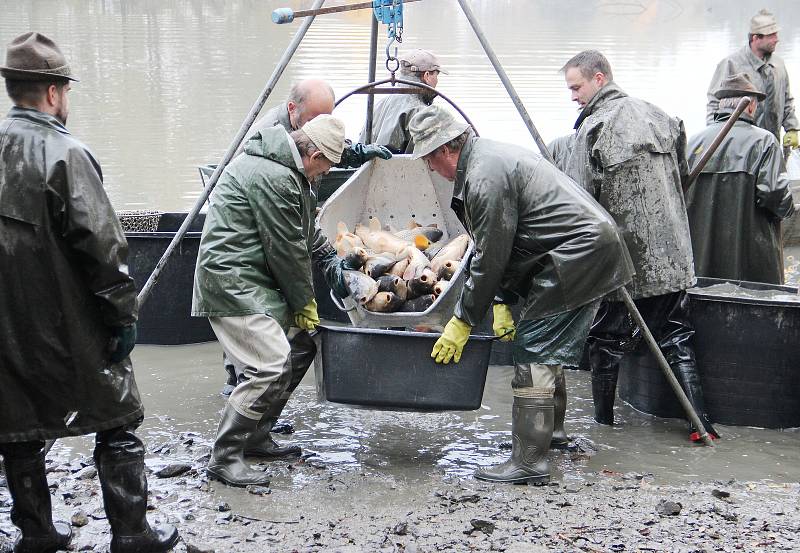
(631, 156)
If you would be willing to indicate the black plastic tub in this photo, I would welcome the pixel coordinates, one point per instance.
(165, 317)
(390, 369)
(746, 350)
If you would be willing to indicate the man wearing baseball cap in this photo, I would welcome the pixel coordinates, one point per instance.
(539, 238)
(393, 113)
(253, 279)
(67, 312)
(768, 74)
(741, 194)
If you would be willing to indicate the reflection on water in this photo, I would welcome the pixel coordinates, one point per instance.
(165, 84)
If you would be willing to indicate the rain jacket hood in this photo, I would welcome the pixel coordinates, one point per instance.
(64, 286)
(631, 156)
(538, 236)
(255, 250)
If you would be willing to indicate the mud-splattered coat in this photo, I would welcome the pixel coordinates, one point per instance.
(631, 157)
(538, 236)
(390, 120)
(777, 109)
(737, 202)
(64, 286)
(255, 250)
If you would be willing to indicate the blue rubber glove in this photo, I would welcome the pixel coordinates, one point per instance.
(122, 342)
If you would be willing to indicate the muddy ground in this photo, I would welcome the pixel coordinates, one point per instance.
(388, 481)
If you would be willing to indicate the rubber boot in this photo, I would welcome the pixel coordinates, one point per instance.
(531, 431)
(261, 444)
(227, 463)
(120, 468)
(686, 373)
(231, 382)
(560, 439)
(604, 389)
(31, 510)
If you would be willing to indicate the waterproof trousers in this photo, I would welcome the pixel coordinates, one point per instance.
(613, 334)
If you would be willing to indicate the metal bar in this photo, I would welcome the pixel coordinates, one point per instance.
(336, 9)
(234, 145)
(373, 58)
(665, 368)
(740, 107)
(506, 82)
(410, 83)
(396, 90)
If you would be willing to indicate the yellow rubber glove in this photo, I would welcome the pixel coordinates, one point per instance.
(791, 139)
(503, 322)
(307, 319)
(451, 343)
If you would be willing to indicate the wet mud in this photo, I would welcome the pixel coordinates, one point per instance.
(399, 481)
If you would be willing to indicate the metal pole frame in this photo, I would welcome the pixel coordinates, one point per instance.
(373, 58)
(144, 293)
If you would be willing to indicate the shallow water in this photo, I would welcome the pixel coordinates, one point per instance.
(731, 290)
(180, 389)
(165, 84)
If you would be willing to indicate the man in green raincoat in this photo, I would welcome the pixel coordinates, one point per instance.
(253, 278)
(393, 113)
(539, 238)
(740, 196)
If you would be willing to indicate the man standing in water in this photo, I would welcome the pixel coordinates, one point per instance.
(767, 72)
(741, 195)
(539, 237)
(67, 312)
(393, 113)
(253, 279)
(631, 157)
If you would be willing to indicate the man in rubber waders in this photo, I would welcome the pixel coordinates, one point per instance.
(253, 279)
(741, 195)
(67, 312)
(768, 74)
(538, 238)
(393, 113)
(631, 156)
(307, 99)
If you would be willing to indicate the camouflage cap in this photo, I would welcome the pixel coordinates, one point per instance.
(421, 60)
(763, 23)
(432, 127)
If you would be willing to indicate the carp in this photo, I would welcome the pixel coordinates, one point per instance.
(448, 269)
(433, 234)
(379, 240)
(378, 265)
(453, 251)
(384, 302)
(356, 258)
(422, 285)
(394, 284)
(440, 287)
(418, 304)
(399, 268)
(362, 287)
(345, 240)
(417, 263)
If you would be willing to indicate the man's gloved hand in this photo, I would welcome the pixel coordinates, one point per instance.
(356, 155)
(451, 343)
(791, 139)
(307, 318)
(122, 342)
(503, 322)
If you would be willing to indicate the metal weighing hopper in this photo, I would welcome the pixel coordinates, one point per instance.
(396, 191)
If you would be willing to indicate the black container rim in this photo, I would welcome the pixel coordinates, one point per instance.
(704, 282)
(163, 234)
(405, 333)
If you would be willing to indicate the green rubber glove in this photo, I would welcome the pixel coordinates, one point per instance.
(451, 343)
(307, 318)
(122, 342)
(791, 139)
(503, 322)
(356, 155)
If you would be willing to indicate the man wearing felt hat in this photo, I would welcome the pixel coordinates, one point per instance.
(393, 113)
(540, 239)
(768, 73)
(253, 279)
(67, 312)
(736, 204)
